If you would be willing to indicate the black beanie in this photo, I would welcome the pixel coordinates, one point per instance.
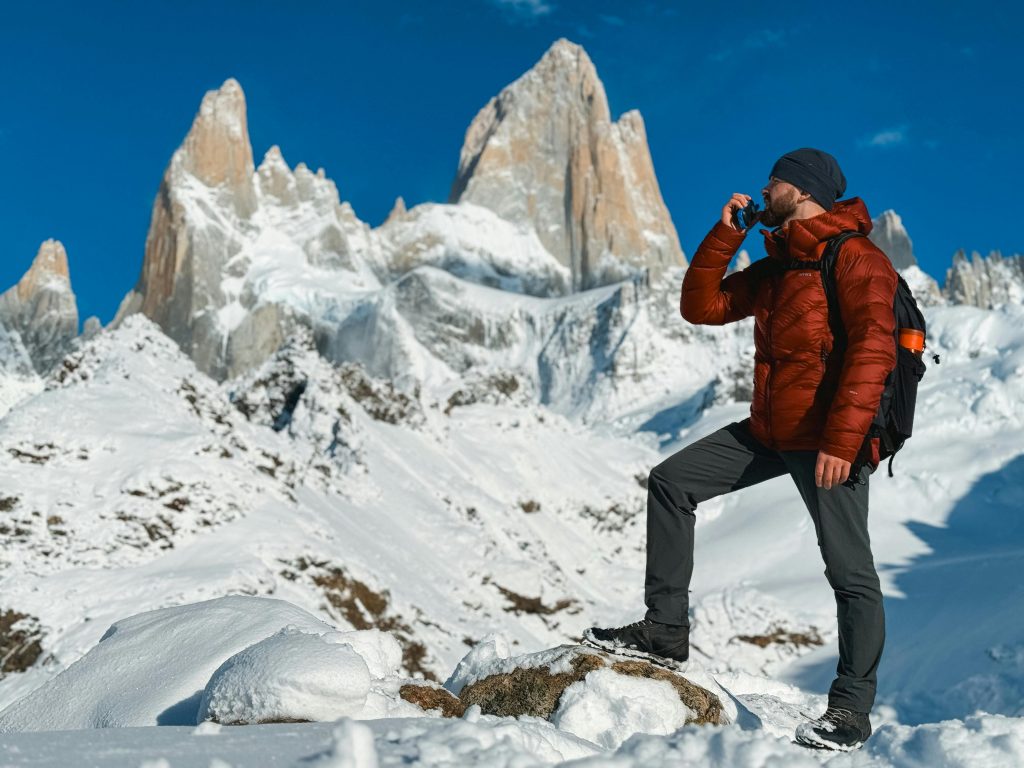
(813, 171)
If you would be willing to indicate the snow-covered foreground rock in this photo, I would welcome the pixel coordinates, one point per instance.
(231, 660)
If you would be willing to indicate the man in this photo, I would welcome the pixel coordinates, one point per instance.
(811, 411)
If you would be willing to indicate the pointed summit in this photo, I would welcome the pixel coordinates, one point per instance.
(275, 177)
(544, 152)
(41, 308)
(216, 149)
(49, 270)
(888, 233)
(398, 210)
(208, 188)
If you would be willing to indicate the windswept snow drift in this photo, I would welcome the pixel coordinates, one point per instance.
(234, 659)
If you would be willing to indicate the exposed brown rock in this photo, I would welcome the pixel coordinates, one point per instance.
(362, 607)
(533, 691)
(20, 642)
(431, 697)
(536, 691)
(520, 604)
(780, 636)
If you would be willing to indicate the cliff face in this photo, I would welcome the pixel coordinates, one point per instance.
(889, 234)
(985, 282)
(41, 308)
(545, 152)
(205, 199)
(216, 220)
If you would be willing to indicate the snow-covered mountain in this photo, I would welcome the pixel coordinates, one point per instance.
(237, 256)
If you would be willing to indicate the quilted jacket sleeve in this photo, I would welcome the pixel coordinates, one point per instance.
(866, 285)
(706, 298)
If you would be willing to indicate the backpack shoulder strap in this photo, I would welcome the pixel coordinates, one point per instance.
(828, 281)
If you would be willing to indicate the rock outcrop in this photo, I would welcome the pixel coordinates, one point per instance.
(42, 309)
(533, 684)
(204, 202)
(889, 234)
(218, 223)
(398, 210)
(985, 282)
(545, 152)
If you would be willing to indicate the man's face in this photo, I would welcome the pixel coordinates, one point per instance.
(780, 201)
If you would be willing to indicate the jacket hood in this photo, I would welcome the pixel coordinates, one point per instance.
(800, 238)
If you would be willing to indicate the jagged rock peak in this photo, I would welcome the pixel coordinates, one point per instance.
(544, 152)
(889, 234)
(398, 210)
(41, 308)
(217, 150)
(985, 282)
(275, 177)
(198, 280)
(49, 268)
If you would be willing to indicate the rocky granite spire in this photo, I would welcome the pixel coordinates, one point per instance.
(41, 308)
(219, 226)
(985, 282)
(398, 210)
(217, 151)
(545, 152)
(206, 196)
(889, 234)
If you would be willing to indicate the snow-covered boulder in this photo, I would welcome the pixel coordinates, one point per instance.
(290, 676)
(592, 694)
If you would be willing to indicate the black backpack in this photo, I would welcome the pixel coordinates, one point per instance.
(894, 419)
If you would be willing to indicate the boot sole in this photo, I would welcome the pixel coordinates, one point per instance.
(631, 653)
(829, 746)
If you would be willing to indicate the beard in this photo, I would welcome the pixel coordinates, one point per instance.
(778, 208)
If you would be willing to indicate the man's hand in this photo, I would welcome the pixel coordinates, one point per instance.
(737, 201)
(830, 471)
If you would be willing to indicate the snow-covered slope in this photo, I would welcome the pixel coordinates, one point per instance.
(365, 505)
(453, 514)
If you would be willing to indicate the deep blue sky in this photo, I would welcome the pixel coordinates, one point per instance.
(921, 104)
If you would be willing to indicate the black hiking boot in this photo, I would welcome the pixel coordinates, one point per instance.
(839, 729)
(664, 642)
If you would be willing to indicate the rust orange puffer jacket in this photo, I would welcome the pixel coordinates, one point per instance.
(804, 397)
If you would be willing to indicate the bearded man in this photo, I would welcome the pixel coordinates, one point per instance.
(812, 408)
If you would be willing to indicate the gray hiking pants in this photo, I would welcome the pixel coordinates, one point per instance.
(731, 459)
